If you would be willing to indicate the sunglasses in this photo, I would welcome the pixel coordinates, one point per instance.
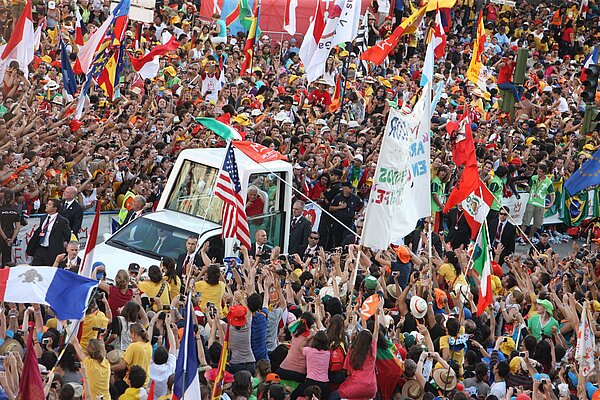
(314, 238)
(503, 214)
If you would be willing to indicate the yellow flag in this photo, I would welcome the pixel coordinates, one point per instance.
(476, 72)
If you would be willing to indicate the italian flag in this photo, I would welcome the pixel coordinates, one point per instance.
(482, 264)
(223, 130)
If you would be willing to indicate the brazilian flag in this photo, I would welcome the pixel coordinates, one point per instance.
(558, 200)
(575, 208)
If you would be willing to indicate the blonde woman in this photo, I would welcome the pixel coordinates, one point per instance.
(97, 367)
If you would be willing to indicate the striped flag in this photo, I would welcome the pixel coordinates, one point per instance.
(362, 40)
(85, 269)
(218, 386)
(229, 189)
(289, 21)
(482, 264)
(337, 95)
(186, 369)
(439, 36)
(233, 15)
(20, 45)
(477, 205)
(80, 29)
(592, 58)
(253, 34)
(147, 66)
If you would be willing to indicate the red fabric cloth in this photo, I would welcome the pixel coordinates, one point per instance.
(361, 384)
(255, 208)
(31, 386)
(320, 98)
(117, 300)
(505, 75)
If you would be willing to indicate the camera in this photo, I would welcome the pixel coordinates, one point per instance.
(46, 340)
(166, 308)
(314, 260)
(521, 354)
(77, 365)
(212, 310)
(99, 329)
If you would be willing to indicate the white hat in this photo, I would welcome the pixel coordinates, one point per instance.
(320, 122)
(325, 129)
(51, 85)
(280, 116)
(255, 112)
(51, 5)
(359, 157)
(286, 120)
(418, 306)
(353, 124)
(343, 122)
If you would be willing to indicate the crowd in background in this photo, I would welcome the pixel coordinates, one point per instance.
(296, 330)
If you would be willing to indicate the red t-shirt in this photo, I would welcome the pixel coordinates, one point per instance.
(361, 384)
(320, 98)
(117, 300)
(567, 35)
(256, 208)
(505, 74)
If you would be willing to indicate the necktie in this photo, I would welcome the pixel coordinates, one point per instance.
(258, 250)
(499, 232)
(158, 245)
(186, 263)
(294, 221)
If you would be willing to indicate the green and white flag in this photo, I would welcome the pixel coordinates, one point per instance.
(483, 265)
(223, 130)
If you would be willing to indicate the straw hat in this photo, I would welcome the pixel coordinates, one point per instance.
(444, 378)
(413, 390)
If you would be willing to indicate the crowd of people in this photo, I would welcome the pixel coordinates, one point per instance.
(296, 325)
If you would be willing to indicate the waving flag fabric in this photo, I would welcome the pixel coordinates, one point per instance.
(49, 286)
(31, 386)
(587, 175)
(229, 189)
(85, 269)
(233, 15)
(80, 29)
(477, 205)
(592, 58)
(289, 23)
(439, 36)
(186, 369)
(476, 72)
(148, 65)
(380, 51)
(468, 182)
(482, 264)
(20, 45)
(219, 381)
(313, 35)
(461, 140)
(253, 34)
(69, 80)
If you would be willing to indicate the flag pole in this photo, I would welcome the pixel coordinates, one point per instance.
(346, 68)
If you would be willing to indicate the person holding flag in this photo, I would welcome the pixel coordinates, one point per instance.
(540, 189)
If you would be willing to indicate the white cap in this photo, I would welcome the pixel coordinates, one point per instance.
(359, 157)
(353, 124)
(51, 5)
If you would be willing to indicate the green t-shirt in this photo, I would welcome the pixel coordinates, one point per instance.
(535, 326)
(539, 191)
(496, 186)
(437, 187)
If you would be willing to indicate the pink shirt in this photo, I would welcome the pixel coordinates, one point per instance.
(295, 360)
(317, 364)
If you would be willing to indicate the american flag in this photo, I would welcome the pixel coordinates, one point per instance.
(235, 222)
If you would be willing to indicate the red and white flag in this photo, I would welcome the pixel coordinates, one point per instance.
(148, 65)
(258, 152)
(86, 54)
(439, 37)
(289, 22)
(229, 189)
(461, 140)
(37, 35)
(477, 205)
(85, 269)
(20, 45)
(584, 352)
(80, 29)
(313, 35)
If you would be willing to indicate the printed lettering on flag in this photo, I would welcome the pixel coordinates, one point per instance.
(313, 214)
(369, 307)
(401, 191)
(258, 152)
(585, 343)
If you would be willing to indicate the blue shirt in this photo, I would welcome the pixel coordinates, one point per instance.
(258, 334)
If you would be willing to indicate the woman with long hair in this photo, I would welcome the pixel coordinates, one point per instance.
(170, 275)
(131, 313)
(317, 365)
(293, 368)
(118, 294)
(212, 288)
(450, 273)
(97, 367)
(338, 346)
(360, 365)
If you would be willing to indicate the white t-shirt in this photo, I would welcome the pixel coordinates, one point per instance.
(498, 389)
(160, 374)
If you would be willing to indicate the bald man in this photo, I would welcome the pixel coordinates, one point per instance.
(72, 210)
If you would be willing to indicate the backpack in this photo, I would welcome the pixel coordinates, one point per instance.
(336, 359)
(124, 339)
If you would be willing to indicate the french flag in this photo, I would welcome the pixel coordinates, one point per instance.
(65, 292)
(591, 59)
(85, 269)
(80, 29)
(186, 382)
(20, 45)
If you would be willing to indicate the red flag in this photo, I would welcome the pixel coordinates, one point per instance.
(138, 63)
(85, 269)
(250, 41)
(468, 182)
(258, 152)
(477, 205)
(380, 51)
(461, 139)
(225, 118)
(337, 95)
(31, 386)
(439, 37)
(151, 390)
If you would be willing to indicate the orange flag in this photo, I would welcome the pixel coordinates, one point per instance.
(369, 307)
(337, 96)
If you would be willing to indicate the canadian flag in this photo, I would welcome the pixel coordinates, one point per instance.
(439, 36)
(477, 205)
(20, 45)
(289, 22)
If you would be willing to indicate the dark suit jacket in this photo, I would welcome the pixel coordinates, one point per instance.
(415, 237)
(130, 217)
(60, 233)
(459, 231)
(507, 238)
(299, 234)
(74, 214)
(181, 259)
(63, 264)
(266, 249)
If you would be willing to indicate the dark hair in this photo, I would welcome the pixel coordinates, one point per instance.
(9, 197)
(309, 319)
(503, 369)
(137, 376)
(242, 384)
(155, 274)
(481, 371)
(452, 326)
(254, 302)
(171, 272)
(67, 392)
(56, 203)
(336, 333)
(161, 356)
(360, 349)
(213, 275)
(67, 361)
(276, 392)
(130, 311)
(320, 341)
(452, 259)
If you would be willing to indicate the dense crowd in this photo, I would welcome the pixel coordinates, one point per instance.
(296, 329)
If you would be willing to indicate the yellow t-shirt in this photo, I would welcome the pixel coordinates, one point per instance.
(139, 353)
(458, 351)
(151, 289)
(98, 375)
(210, 294)
(449, 273)
(174, 287)
(96, 319)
